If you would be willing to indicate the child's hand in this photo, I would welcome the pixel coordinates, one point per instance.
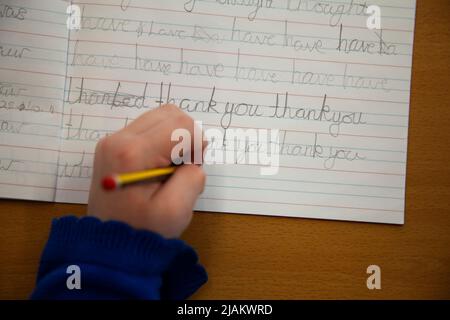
(165, 208)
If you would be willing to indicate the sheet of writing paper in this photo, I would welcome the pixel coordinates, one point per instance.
(337, 91)
(33, 51)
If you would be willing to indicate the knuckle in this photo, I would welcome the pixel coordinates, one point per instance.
(127, 154)
(103, 145)
(199, 175)
(184, 121)
(171, 107)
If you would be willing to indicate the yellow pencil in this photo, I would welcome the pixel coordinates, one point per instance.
(120, 180)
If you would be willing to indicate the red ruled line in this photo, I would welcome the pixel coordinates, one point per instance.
(34, 34)
(212, 51)
(35, 72)
(242, 54)
(239, 126)
(218, 199)
(40, 187)
(238, 90)
(299, 204)
(233, 16)
(43, 149)
(281, 166)
(205, 88)
(347, 171)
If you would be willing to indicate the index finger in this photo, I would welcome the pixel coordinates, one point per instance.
(152, 118)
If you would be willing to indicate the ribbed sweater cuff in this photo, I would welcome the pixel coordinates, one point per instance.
(112, 244)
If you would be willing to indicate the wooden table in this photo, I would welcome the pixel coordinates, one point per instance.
(267, 257)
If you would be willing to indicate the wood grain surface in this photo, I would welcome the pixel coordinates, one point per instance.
(253, 257)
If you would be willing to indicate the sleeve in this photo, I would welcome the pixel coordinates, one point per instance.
(90, 259)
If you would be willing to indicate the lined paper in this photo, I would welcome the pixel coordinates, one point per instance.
(33, 51)
(337, 91)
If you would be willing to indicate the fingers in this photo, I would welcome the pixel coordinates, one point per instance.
(183, 187)
(153, 136)
(152, 118)
(177, 196)
(164, 207)
(152, 147)
(158, 140)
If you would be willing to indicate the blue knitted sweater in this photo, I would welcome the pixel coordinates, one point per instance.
(114, 261)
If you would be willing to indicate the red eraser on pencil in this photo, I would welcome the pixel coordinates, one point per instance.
(109, 183)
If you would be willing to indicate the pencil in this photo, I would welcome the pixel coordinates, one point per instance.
(117, 181)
